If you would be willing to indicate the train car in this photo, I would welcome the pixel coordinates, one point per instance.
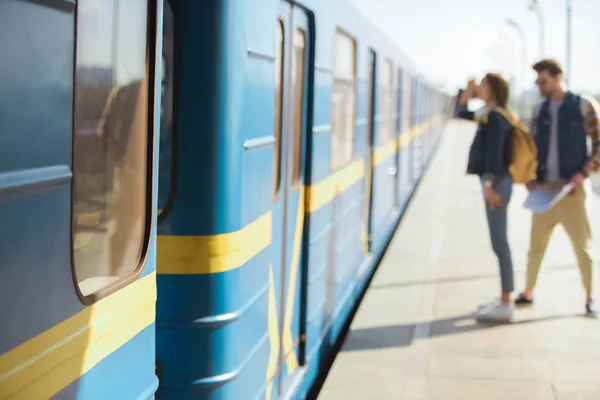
(273, 147)
(292, 135)
(77, 198)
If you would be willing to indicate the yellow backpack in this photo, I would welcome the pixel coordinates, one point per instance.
(523, 166)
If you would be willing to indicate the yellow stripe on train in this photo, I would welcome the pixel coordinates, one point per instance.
(181, 255)
(46, 364)
(213, 254)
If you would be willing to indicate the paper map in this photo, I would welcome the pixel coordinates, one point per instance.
(540, 201)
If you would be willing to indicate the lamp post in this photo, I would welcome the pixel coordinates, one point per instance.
(519, 28)
(569, 11)
(509, 44)
(536, 7)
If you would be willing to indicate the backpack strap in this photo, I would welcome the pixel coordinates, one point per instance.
(502, 111)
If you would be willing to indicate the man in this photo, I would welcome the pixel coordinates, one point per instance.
(560, 125)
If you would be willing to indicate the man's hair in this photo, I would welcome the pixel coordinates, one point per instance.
(553, 67)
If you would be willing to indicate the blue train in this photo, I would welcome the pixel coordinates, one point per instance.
(196, 225)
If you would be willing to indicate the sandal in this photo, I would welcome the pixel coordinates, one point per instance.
(522, 301)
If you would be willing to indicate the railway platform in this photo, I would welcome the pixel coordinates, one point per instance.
(414, 335)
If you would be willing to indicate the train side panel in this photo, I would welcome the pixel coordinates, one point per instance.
(242, 310)
(77, 307)
(337, 266)
(215, 234)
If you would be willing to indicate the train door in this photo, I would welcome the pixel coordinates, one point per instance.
(428, 122)
(398, 132)
(292, 76)
(404, 139)
(413, 126)
(388, 134)
(416, 137)
(369, 158)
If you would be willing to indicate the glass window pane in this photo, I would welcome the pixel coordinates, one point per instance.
(166, 155)
(298, 76)
(386, 123)
(278, 107)
(344, 52)
(337, 122)
(343, 100)
(110, 142)
(399, 101)
(407, 103)
(386, 74)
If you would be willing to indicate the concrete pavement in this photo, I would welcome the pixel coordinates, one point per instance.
(414, 337)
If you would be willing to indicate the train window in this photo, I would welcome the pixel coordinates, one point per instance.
(278, 107)
(388, 103)
(406, 110)
(298, 76)
(423, 103)
(399, 101)
(426, 102)
(110, 144)
(413, 102)
(166, 152)
(343, 99)
(429, 96)
(426, 90)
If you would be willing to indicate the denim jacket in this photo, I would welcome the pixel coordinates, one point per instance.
(490, 152)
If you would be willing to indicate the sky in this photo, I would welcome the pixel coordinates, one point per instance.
(452, 40)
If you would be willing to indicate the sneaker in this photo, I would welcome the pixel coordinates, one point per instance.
(494, 302)
(590, 310)
(499, 313)
(522, 301)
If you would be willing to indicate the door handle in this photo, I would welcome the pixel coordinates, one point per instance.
(393, 171)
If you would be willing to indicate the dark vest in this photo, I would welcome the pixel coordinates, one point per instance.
(572, 145)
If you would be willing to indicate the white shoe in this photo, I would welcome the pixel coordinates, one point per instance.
(489, 304)
(496, 313)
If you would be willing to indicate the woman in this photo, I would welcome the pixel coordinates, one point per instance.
(489, 158)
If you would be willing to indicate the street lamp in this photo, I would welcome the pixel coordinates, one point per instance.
(519, 28)
(536, 7)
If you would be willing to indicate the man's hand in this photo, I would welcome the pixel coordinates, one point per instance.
(577, 180)
(493, 198)
(531, 185)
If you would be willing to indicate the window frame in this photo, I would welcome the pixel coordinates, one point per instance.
(298, 129)
(387, 134)
(339, 31)
(174, 113)
(151, 78)
(278, 109)
(399, 100)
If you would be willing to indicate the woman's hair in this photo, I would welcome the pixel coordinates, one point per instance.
(498, 88)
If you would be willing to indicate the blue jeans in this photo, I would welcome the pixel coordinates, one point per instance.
(498, 226)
